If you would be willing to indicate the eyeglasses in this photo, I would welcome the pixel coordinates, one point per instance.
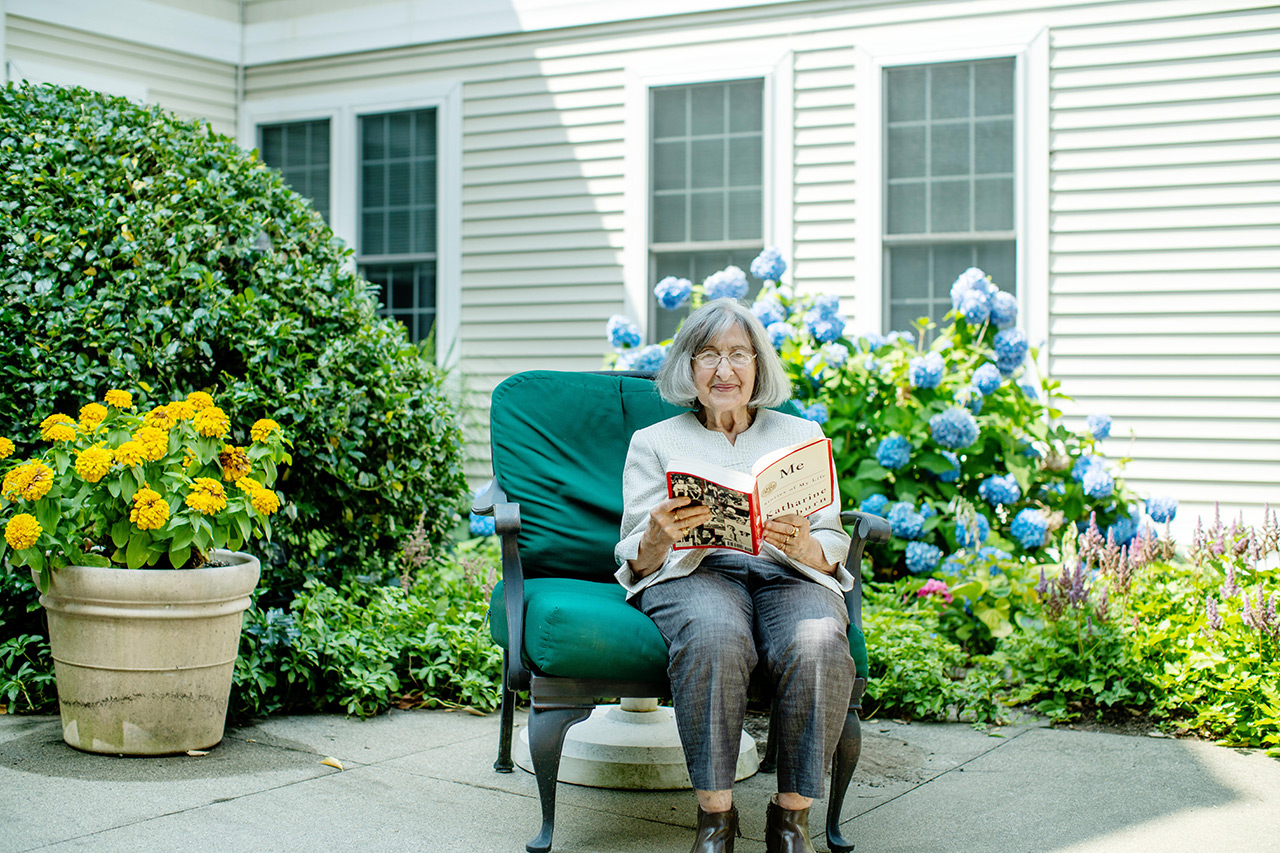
(710, 359)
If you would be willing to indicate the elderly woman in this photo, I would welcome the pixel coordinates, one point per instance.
(722, 611)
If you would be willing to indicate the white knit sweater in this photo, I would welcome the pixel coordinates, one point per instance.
(644, 486)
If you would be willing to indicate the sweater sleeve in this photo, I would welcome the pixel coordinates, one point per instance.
(644, 480)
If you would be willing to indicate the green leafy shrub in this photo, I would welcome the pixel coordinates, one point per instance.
(367, 646)
(141, 249)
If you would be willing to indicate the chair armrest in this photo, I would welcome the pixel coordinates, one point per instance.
(492, 500)
(866, 528)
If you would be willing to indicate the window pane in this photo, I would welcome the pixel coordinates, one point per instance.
(993, 88)
(708, 109)
(909, 272)
(398, 186)
(300, 150)
(373, 186)
(706, 167)
(744, 215)
(424, 230)
(399, 134)
(373, 233)
(906, 152)
(949, 149)
(746, 161)
(408, 294)
(905, 94)
(949, 91)
(906, 208)
(993, 203)
(374, 138)
(668, 219)
(669, 112)
(993, 141)
(424, 189)
(669, 165)
(273, 146)
(997, 260)
(706, 214)
(397, 232)
(398, 177)
(948, 263)
(948, 206)
(746, 106)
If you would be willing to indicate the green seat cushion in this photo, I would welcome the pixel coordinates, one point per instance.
(585, 629)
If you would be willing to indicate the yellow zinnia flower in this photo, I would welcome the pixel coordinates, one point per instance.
(262, 429)
(131, 453)
(235, 463)
(6, 448)
(199, 400)
(155, 442)
(182, 410)
(150, 511)
(161, 417)
(92, 415)
(93, 463)
(119, 399)
(264, 501)
(32, 481)
(22, 531)
(212, 422)
(207, 496)
(58, 428)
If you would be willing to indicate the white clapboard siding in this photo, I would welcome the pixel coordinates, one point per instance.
(187, 85)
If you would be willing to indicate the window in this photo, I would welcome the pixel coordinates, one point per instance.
(706, 183)
(397, 222)
(949, 182)
(300, 150)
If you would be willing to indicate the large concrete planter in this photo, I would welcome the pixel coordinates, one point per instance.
(144, 658)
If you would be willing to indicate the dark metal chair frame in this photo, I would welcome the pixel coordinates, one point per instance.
(556, 703)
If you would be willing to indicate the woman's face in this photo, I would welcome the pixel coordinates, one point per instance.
(725, 388)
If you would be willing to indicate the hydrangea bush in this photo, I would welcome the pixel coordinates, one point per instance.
(958, 442)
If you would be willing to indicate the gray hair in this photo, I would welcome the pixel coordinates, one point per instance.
(675, 377)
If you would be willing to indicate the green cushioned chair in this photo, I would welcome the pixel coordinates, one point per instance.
(570, 638)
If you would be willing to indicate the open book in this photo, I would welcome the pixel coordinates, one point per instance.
(796, 480)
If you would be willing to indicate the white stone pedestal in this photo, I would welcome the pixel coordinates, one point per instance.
(632, 746)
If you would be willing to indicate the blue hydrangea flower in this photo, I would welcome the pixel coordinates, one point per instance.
(952, 565)
(1004, 309)
(1029, 390)
(971, 296)
(1030, 527)
(1162, 510)
(1011, 350)
(894, 337)
(874, 504)
(1098, 483)
(827, 305)
(769, 311)
(1083, 466)
(905, 521)
(649, 358)
(481, 525)
(926, 371)
(1099, 426)
(974, 533)
(779, 334)
(987, 378)
(1029, 450)
(922, 557)
(729, 283)
(970, 396)
(816, 413)
(954, 429)
(835, 355)
(997, 490)
(874, 340)
(1123, 530)
(894, 452)
(954, 474)
(769, 265)
(825, 328)
(673, 293)
(622, 333)
(927, 510)
(975, 307)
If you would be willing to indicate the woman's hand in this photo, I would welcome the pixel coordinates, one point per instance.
(790, 535)
(669, 521)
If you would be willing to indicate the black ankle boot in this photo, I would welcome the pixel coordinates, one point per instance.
(786, 830)
(716, 831)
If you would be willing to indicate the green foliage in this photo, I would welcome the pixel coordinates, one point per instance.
(366, 646)
(143, 248)
(26, 675)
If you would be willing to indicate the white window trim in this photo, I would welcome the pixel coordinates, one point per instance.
(1031, 172)
(690, 66)
(343, 110)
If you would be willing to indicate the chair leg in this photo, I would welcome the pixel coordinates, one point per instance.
(769, 764)
(547, 728)
(843, 763)
(504, 763)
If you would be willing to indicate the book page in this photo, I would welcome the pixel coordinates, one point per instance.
(799, 480)
(730, 524)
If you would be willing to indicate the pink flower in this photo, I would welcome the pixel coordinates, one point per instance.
(933, 586)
